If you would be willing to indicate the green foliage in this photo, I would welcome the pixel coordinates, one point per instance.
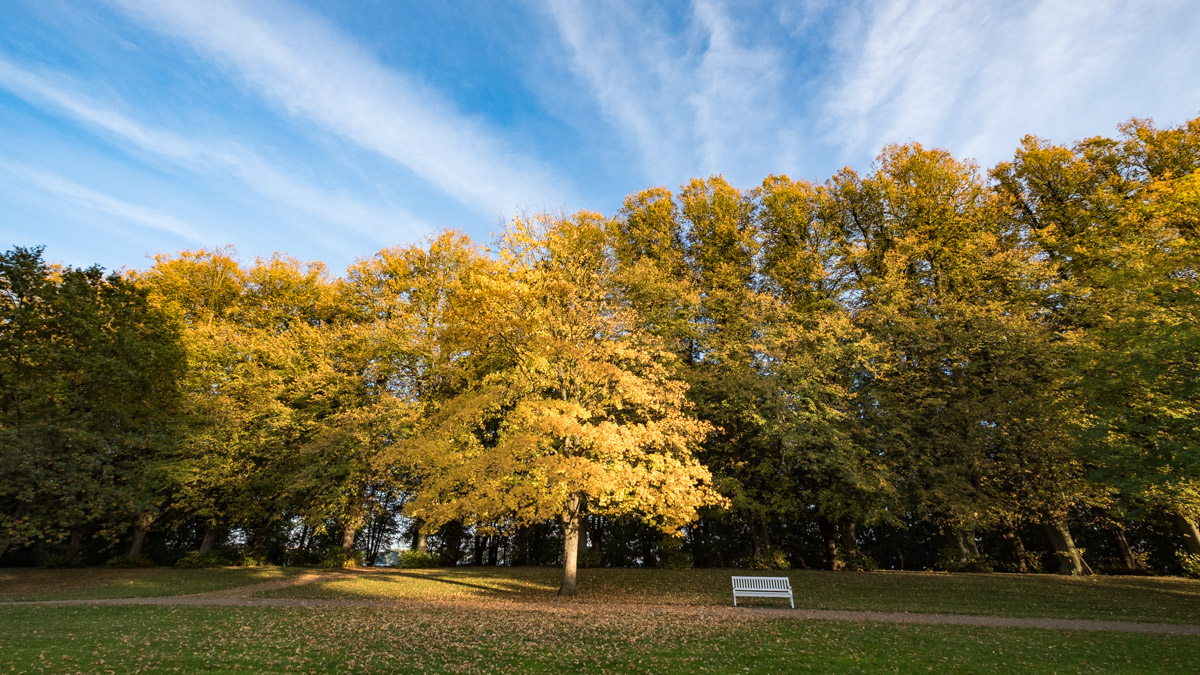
(89, 374)
(409, 559)
(1190, 563)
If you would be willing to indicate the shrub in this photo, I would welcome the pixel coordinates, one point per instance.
(1033, 564)
(416, 560)
(950, 562)
(129, 562)
(860, 562)
(775, 560)
(252, 560)
(1190, 563)
(339, 558)
(62, 561)
(194, 561)
(670, 554)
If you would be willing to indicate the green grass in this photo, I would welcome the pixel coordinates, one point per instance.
(556, 637)
(98, 582)
(1166, 600)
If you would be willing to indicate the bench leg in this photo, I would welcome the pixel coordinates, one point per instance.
(790, 600)
(735, 601)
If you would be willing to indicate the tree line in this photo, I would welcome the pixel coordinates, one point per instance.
(921, 366)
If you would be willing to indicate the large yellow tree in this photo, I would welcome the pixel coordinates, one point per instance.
(568, 405)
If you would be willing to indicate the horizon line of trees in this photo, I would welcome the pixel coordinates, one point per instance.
(918, 367)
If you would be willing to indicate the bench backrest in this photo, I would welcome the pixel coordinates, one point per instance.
(761, 584)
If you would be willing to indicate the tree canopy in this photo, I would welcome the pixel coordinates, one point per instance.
(920, 365)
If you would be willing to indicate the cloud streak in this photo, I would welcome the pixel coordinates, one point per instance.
(211, 156)
(689, 102)
(308, 68)
(99, 201)
(975, 77)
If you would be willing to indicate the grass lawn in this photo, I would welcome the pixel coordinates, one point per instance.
(1166, 600)
(100, 582)
(471, 620)
(551, 638)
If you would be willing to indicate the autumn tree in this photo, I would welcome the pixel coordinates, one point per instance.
(414, 356)
(268, 381)
(576, 409)
(815, 358)
(966, 403)
(1119, 220)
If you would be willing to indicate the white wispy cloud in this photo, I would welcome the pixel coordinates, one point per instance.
(215, 156)
(703, 99)
(975, 77)
(307, 67)
(739, 110)
(96, 200)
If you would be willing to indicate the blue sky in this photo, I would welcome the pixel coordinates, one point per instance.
(328, 130)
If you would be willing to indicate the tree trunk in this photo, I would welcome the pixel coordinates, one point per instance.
(140, 530)
(1125, 556)
(537, 543)
(522, 554)
(849, 537)
(958, 544)
(306, 538)
(493, 549)
(420, 544)
(74, 545)
(570, 523)
(1069, 560)
(1016, 548)
(970, 543)
(348, 535)
(477, 552)
(1191, 534)
(210, 539)
(760, 534)
(833, 560)
(452, 533)
(375, 538)
(258, 543)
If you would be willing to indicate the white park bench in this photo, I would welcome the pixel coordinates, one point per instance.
(763, 587)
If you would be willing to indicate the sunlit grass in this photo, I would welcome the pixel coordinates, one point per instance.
(1170, 600)
(482, 619)
(99, 582)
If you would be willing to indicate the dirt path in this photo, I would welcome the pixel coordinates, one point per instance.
(241, 596)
